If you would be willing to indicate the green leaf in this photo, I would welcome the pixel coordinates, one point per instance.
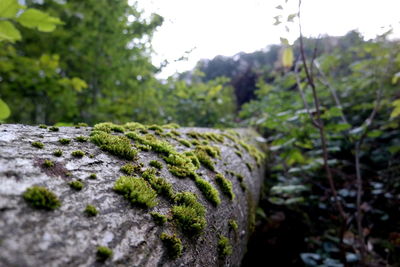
(9, 8)
(78, 84)
(287, 57)
(375, 133)
(396, 110)
(33, 18)
(8, 32)
(4, 110)
(395, 77)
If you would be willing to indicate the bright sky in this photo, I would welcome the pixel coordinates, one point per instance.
(209, 28)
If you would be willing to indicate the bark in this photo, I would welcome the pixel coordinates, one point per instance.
(67, 237)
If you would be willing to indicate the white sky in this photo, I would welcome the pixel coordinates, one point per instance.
(226, 27)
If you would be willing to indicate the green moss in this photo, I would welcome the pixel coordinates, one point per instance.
(253, 151)
(188, 213)
(193, 158)
(225, 185)
(195, 143)
(43, 126)
(103, 253)
(240, 154)
(119, 146)
(128, 168)
(93, 176)
(176, 133)
(76, 185)
(156, 145)
(248, 165)
(57, 153)
(233, 225)
(54, 129)
(209, 192)
(160, 185)
(193, 134)
(184, 142)
(171, 126)
(214, 137)
(224, 247)
(41, 198)
(82, 124)
(133, 126)
(91, 211)
(78, 153)
(143, 147)
(212, 151)
(37, 144)
(48, 163)
(156, 164)
(81, 139)
(158, 218)
(107, 127)
(173, 244)
(241, 181)
(204, 159)
(155, 128)
(64, 141)
(136, 190)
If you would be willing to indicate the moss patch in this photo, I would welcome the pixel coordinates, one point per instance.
(81, 139)
(225, 185)
(37, 144)
(91, 211)
(48, 163)
(78, 153)
(103, 253)
(54, 129)
(188, 213)
(76, 185)
(160, 185)
(41, 198)
(233, 225)
(184, 142)
(173, 244)
(93, 176)
(209, 192)
(136, 190)
(156, 164)
(57, 153)
(158, 218)
(64, 141)
(119, 146)
(130, 169)
(224, 247)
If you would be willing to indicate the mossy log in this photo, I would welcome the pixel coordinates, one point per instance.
(60, 205)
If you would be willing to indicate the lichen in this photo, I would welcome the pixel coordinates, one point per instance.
(64, 141)
(156, 164)
(136, 190)
(119, 146)
(188, 213)
(103, 253)
(209, 192)
(76, 185)
(57, 153)
(37, 144)
(48, 163)
(91, 211)
(41, 198)
(224, 247)
(158, 218)
(78, 153)
(225, 185)
(173, 244)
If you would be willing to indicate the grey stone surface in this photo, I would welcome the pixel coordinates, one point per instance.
(67, 237)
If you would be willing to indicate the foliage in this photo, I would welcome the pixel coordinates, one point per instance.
(136, 190)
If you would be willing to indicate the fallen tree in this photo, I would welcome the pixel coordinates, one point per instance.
(126, 195)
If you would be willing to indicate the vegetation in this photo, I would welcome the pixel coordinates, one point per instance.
(48, 163)
(41, 198)
(225, 185)
(136, 190)
(224, 247)
(37, 144)
(158, 218)
(173, 244)
(57, 153)
(103, 253)
(76, 185)
(78, 153)
(91, 211)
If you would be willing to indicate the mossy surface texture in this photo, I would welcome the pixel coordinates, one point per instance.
(41, 198)
(136, 190)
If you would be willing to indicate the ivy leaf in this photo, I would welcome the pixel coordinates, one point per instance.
(8, 32)
(4, 110)
(287, 57)
(33, 18)
(9, 8)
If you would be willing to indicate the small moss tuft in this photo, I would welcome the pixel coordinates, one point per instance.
(176, 133)
(41, 198)
(158, 218)
(91, 211)
(184, 142)
(48, 163)
(43, 126)
(77, 185)
(57, 153)
(205, 159)
(82, 124)
(64, 141)
(136, 190)
(156, 164)
(249, 166)
(160, 185)
(54, 129)
(103, 253)
(38, 144)
(209, 192)
(78, 153)
(233, 225)
(224, 247)
(240, 154)
(189, 213)
(81, 139)
(225, 185)
(156, 128)
(93, 176)
(173, 244)
(129, 168)
(119, 146)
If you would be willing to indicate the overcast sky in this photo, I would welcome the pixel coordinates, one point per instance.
(209, 28)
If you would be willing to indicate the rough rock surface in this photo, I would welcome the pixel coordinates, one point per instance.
(67, 237)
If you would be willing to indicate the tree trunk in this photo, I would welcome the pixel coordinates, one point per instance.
(67, 236)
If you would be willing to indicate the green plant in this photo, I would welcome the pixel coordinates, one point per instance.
(119, 146)
(48, 163)
(93, 176)
(173, 244)
(136, 190)
(158, 218)
(81, 138)
(41, 198)
(37, 144)
(91, 211)
(54, 129)
(57, 153)
(77, 185)
(156, 164)
(209, 192)
(103, 253)
(78, 153)
(225, 185)
(224, 247)
(64, 141)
